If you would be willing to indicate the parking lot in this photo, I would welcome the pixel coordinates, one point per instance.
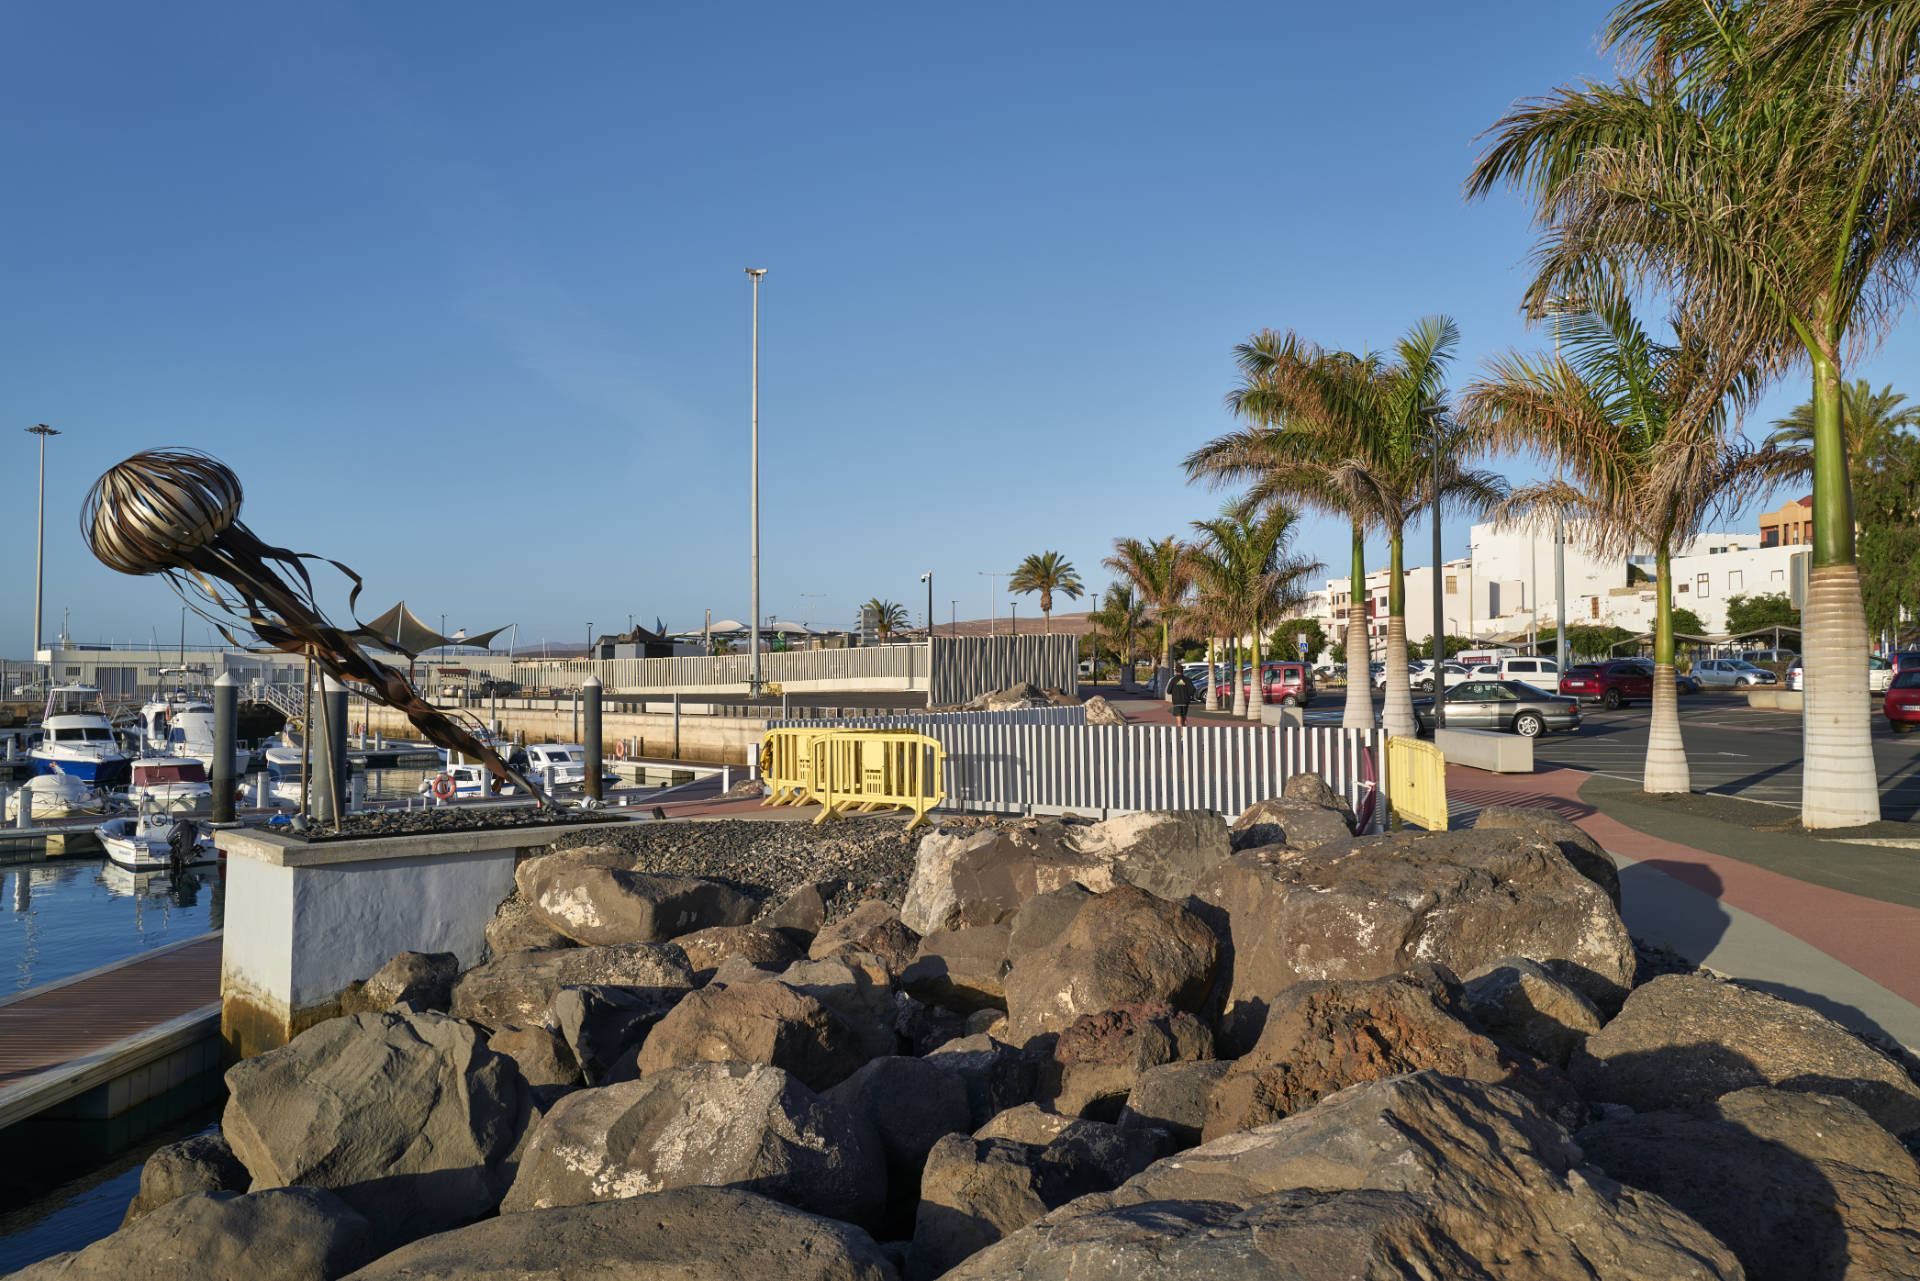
(1732, 749)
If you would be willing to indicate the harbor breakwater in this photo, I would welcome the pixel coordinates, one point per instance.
(1045, 1048)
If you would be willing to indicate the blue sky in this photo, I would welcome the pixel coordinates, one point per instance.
(457, 287)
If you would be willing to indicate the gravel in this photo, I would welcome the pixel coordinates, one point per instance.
(873, 857)
(442, 819)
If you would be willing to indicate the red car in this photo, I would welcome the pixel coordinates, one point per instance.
(1608, 684)
(1903, 701)
(1288, 684)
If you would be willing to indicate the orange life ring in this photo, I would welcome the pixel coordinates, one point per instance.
(443, 786)
(620, 750)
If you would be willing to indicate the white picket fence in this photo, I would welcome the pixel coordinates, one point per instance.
(920, 720)
(1008, 766)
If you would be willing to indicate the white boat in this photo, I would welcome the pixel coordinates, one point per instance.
(77, 738)
(181, 724)
(470, 780)
(561, 767)
(141, 842)
(56, 796)
(281, 790)
(502, 746)
(169, 784)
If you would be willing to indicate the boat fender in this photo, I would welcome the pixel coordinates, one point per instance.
(443, 786)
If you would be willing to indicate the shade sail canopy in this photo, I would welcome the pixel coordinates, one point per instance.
(399, 628)
(724, 625)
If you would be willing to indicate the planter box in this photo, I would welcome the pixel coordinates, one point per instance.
(1790, 700)
(303, 921)
(1763, 698)
(1490, 750)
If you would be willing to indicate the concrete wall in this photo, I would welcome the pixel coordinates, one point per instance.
(727, 740)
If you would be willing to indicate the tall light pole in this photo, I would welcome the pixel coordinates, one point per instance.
(589, 641)
(40, 540)
(1439, 600)
(993, 623)
(1559, 306)
(753, 679)
(953, 618)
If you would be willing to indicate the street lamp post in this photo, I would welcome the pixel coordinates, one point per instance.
(993, 601)
(589, 642)
(753, 679)
(1439, 599)
(1557, 307)
(1013, 614)
(40, 540)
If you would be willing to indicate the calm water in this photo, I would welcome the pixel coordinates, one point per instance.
(66, 917)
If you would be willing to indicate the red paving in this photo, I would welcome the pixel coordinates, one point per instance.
(1878, 939)
(45, 1031)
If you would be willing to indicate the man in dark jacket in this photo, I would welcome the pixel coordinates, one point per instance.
(1180, 689)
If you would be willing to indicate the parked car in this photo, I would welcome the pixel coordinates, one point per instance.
(1288, 684)
(1902, 703)
(1452, 673)
(1611, 685)
(1380, 675)
(1502, 705)
(1769, 656)
(1909, 662)
(1731, 673)
(1682, 682)
(1879, 674)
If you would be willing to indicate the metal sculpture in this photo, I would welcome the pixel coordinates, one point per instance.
(176, 513)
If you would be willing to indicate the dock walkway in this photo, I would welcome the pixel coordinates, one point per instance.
(63, 1039)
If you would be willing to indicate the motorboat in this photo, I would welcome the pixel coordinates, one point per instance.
(560, 767)
(143, 842)
(471, 781)
(77, 738)
(56, 796)
(181, 724)
(501, 746)
(280, 789)
(169, 784)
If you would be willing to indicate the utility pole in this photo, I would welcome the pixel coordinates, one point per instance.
(40, 541)
(993, 600)
(753, 679)
(1439, 668)
(1560, 306)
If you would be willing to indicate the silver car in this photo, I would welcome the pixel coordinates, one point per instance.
(1730, 673)
(1502, 705)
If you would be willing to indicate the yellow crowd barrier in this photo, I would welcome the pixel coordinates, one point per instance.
(866, 770)
(786, 765)
(1417, 781)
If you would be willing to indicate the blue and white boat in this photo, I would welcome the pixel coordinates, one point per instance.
(181, 724)
(77, 739)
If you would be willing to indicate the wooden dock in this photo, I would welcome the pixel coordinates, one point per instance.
(125, 1032)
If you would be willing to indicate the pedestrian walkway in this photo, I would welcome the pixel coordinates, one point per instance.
(1854, 956)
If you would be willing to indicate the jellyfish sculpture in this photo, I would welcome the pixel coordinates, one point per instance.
(176, 512)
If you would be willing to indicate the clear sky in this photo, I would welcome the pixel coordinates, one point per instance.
(457, 287)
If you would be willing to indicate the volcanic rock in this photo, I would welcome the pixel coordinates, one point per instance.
(277, 1234)
(203, 1163)
(421, 979)
(519, 987)
(1521, 1005)
(755, 1023)
(963, 969)
(1101, 1056)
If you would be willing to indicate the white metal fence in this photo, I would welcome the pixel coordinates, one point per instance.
(921, 721)
(1011, 766)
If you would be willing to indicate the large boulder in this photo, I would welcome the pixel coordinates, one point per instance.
(514, 928)
(741, 1125)
(1173, 1098)
(1521, 1005)
(1297, 825)
(997, 1076)
(1101, 712)
(1324, 1036)
(804, 910)
(873, 926)
(1371, 906)
(910, 1104)
(857, 986)
(982, 877)
(1581, 850)
(203, 1163)
(409, 1118)
(1687, 1038)
(1101, 1057)
(759, 944)
(755, 1023)
(277, 1234)
(1036, 923)
(598, 905)
(713, 1234)
(963, 969)
(519, 987)
(423, 980)
(1311, 789)
(529, 874)
(600, 1023)
(542, 1054)
(1802, 1187)
(1123, 945)
(1300, 1233)
(1501, 1182)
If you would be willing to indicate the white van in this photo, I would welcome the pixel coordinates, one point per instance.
(1541, 672)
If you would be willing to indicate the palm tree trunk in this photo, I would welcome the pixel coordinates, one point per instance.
(1397, 716)
(1213, 687)
(1239, 686)
(1359, 710)
(1665, 769)
(1840, 786)
(1255, 697)
(1165, 675)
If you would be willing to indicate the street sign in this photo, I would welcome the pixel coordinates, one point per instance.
(1300, 638)
(1797, 566)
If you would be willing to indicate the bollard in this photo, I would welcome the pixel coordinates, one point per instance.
(328, 794)
(786, 706)
(23, 816)
(590, 715)
(356, 793)
(546, 778)
(226, 719)
(676, 727)
(263, 790)
(726, 779)
(379, 741)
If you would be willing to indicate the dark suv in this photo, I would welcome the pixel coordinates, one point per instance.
(1608, 684)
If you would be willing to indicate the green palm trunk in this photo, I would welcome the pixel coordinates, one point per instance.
(1359, 709)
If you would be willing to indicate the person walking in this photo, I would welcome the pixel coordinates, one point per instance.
(1180, 689)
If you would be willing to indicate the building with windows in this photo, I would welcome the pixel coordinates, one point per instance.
(1791, 526)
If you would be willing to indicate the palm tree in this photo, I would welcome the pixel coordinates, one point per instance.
(1355, 435)
(1638, 432)
(1757, 161)
(1162, 573)
(1046, 573)
(1869, 418)
(888, 617)
(1248, 580)
(1120, 618)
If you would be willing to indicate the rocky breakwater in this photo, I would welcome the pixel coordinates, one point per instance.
(1156, 1047)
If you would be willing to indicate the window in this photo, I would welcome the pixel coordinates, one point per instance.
(1734, 579)
(1453, 584)
(1681, 588)
(1705, 590)
(1777, 576)
(1596, 607)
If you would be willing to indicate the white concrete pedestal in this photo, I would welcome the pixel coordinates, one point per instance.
(303, 921)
